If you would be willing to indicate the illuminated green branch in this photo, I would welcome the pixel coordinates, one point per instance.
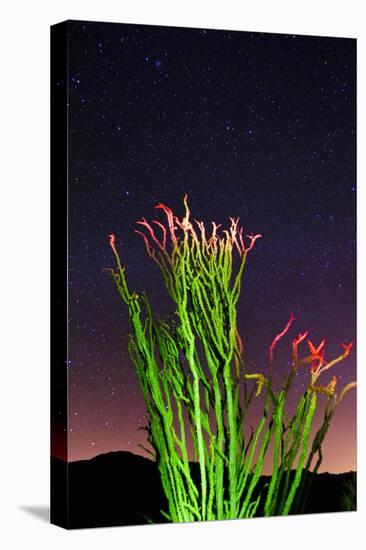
(197, 390)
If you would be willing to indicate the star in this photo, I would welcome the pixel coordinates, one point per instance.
(241, 141)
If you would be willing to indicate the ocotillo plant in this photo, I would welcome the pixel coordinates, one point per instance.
(197, 390)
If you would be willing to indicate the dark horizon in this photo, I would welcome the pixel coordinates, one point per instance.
(140, 455)
(255, 125)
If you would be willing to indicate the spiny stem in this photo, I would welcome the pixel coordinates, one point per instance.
(191, 372)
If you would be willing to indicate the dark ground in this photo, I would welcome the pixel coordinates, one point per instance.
(120, 488)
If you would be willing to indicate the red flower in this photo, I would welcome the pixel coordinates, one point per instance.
(316, 351)
(318, 355)
(296, 341)
(279, 336)
(347, 348)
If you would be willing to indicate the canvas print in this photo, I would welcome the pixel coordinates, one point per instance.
(203, 274)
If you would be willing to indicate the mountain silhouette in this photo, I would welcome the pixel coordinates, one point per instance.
(121, 488)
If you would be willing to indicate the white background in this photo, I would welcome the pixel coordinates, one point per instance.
(24, 272)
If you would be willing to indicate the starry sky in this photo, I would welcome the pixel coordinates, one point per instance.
(260, 126)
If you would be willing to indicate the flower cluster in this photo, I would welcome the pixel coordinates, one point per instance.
(316, 358)
(196, 236)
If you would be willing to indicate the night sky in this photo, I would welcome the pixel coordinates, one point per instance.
(260, 126)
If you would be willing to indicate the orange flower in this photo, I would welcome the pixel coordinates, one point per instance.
(112, 240)
(332, 384)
